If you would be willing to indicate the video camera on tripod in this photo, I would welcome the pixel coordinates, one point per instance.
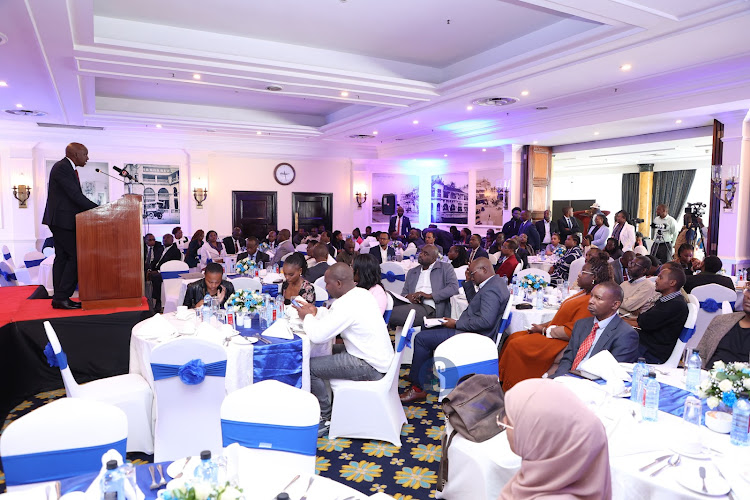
(695, 210)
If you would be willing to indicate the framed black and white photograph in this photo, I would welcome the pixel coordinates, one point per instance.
(161, 191)
(449, 199)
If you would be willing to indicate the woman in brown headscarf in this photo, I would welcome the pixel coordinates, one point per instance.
(562, 444)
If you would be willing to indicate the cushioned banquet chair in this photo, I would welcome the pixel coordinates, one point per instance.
(48, 251)
(685, 335)
(535, 272)
(246, 283)
(409, 251)
(371, 409)
(321, 296)
(188, 411)
(276, 426)
(461, 355)
(283, 258)
(301, 248)
(461, 274)
(7, 275)
(392, 277)
(575, 269)
(170, 290)
(7, 257)
(131, 393)
(710, 298)
(321, 282)
(64, 438)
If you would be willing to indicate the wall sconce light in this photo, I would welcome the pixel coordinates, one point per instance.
(725, 193)
(22, 193)
(361, 198)
(200, 193)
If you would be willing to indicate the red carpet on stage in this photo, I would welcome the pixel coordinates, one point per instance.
(15, 306)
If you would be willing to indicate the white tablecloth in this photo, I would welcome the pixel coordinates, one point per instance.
(521, 319)
(536, 262)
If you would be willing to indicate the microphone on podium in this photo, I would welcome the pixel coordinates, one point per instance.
(123, 173)
(112, 176)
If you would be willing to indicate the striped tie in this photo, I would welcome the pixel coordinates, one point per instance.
(585, 346)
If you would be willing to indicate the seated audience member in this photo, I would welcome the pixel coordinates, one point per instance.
(428, 288)
(483, 316)
(637, 289)
(662, 324)
(525, 248)
(366, 353)
(383, 252)
(640, 247)
(337, 240)
(299, 236)
(710, 267)
(415, 241)
(457, 256)
(294, 267)
(620, 267)
(499, 239)
(475, 250)
(346, 254)
(192, 258)
(180, 240)
(367, 275)
(357, 235)
(152, 251)
(455, 233)
(212, 284)
(234, 243)
(654, 269)
(507, 263)
(325, 239)
(368, 231)
(727, 337)
(212, 250)
(319, 268)
(488, 240)
(308, 253)
(443, 239)
(313, 236)
(605, 331)
(573, 251)
(252, 252)
(585, 244)
(553, 246)
(171, 251)
(599, 231)
(525, 355)
(284, 246)
(270, 240)
(685, 260)
(613, 248)
(429, 237)
(561, 442)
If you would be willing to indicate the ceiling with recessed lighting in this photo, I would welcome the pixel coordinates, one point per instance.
(253, 78)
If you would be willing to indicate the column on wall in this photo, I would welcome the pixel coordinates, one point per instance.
(512, 174)
(645, 194)
(539, 175)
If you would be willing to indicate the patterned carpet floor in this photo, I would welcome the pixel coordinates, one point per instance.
(405, 473)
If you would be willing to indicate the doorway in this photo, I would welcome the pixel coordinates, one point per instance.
(254, 212)
(312, 210)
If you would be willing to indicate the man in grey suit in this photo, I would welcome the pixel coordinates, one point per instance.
(285, 246)
(620, 267)
(483, 316)
(428, 288)
(604, 331)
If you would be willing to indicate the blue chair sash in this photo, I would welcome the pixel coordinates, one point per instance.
(55, 465)
(391, 276)
(461, 282)
(33, 263)
(292, 439)
(710, 305)
(453, 374)
(6, 256)
(55, 359)
(405, 341)
(686, 334)
(319, 303)
(504, 324)
(191, 373)
(8, 276)
(387, 315)
(171, 275)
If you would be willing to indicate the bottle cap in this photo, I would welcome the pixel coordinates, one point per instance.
(641, 360)
(282, 496)
(112, 465)
(205, 454)
(652, 375)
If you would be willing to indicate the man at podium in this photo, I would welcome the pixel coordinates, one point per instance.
(65, 199)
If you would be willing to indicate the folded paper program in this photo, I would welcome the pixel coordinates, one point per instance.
(604, 365)
(191, 373)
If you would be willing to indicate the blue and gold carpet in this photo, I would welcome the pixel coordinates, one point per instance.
(405, 473)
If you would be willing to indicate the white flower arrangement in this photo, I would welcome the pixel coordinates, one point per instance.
(533, 282)
(202, 491)
(245, 265)
(245, 301)
(725, 383)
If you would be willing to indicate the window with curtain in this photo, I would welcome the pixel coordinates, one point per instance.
(630, 190)
(671, 188)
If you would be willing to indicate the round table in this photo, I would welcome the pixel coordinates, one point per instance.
(522, 319)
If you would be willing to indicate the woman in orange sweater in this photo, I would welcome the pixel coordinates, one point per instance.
(529, 354)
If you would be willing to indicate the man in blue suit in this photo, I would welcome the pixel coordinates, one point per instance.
(399, 223)
(529, 229)
(483, 316)
(603, 331)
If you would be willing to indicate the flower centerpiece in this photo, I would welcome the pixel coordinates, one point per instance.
(203, 492)
(264, 247)
(533, 282)
(245, 301)
(245, 265)
(559, 251)
(725, 383)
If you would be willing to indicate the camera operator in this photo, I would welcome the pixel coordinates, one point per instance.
(665, 232)
(693, 231)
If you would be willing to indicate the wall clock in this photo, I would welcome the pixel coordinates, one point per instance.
(284, 174)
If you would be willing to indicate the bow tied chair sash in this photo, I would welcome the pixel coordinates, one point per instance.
(55, 358)
(171, 275)
(710, 305)
(191, 373)
(57, 464)
(8, 276)
(452, 374)
(686, 334)
(392, 277)
(292, 439)
(33, 263)
(405, 341)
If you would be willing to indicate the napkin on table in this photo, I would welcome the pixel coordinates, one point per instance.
(155, 327)
(604, 365)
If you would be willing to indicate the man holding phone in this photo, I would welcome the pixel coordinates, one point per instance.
(212, 284)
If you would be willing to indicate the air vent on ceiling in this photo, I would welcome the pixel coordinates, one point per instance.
(495, 101)
(62, 125)
(541, 108)
(361, 136)
(25, 112)
(275, 88)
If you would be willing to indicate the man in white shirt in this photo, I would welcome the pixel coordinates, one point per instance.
(383, 251)
(366, 353)
(665, 234)
(546, 227)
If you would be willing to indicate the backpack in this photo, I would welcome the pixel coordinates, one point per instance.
(471, 409)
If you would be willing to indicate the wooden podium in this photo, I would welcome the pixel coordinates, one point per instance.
(110, 254)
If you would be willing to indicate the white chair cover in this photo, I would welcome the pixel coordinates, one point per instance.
(388, 307)
(461, 274)
(393, 282)
(505, 323)
(705, 295)
(410, 250)
(301, 248)
(494, 257)
(518, 269)
(7, 257)
(188, 416)
(687, 332)
(247, 284)
(461, 355)
(69, 426)
(32, 261)
(7, 275)
(536, 272)
(371, 409)
(48, 251)
(170, 288)
(321, 282)
(575, 269)
(283, 258)
(131, 393)
(276, 426)
(321, 295)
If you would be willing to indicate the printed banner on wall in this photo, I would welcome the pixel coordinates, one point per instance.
(406, 189)
(449, 200)
(161, 191)
(489, 210)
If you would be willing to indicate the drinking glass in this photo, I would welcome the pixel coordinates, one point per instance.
(685, 357)
(693, 411)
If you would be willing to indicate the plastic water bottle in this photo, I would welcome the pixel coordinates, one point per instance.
(111, 482)
(651, 398)
(640, 370)
(207, 471)
(693, 379)
(540, 299)
(279, 305)
(740, 423)
(206, 309)
(565, 289)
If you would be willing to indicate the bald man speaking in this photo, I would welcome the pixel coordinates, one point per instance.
(65, 199)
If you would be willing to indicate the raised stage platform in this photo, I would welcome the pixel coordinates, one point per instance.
(96, 342)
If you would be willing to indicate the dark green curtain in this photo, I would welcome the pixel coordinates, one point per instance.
(671, 188)
(630, 188)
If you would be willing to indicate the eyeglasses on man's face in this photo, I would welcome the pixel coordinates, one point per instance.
(502, 424)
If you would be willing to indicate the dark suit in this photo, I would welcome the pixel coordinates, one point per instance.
(530, 231)
(444, 285)
(443, 239)
(704, 278)
(481, 252)
(161, 255)
(230, 246)
(483, 316)
(618, 338)
(316, 271)
(542, 229)
(565, 231)
(171, 253)
(660, 328)
(511, 227)
(157, 250)
(376, 252)
(65, 199)
(191, 256)
(197, 290)
(405, 225)
(258, 257)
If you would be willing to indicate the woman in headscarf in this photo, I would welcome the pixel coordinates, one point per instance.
(562, 444)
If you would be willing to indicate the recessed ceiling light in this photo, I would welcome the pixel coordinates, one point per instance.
(484, 150)
(678, 121)
(445, 156)
(596, 133)
(416, 122)
(158, 125)
(374, 132)
(3, 83)
(258, 132)
(626, 67)
(525, 93)
(19, 105)
(469, 107)
(344, 93)
(196, 76)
